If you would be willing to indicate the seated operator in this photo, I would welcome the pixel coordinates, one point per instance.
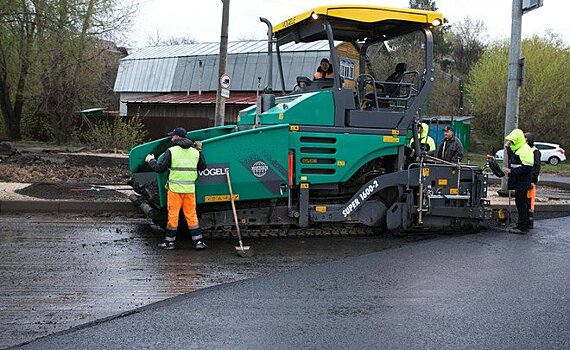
(324, 71)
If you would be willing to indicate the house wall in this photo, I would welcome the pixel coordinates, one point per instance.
(348, 51)
(125, 96)
(159, 119)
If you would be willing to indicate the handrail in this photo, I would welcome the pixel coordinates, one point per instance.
(411, 89)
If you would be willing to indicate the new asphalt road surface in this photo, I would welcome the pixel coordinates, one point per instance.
(490, 290)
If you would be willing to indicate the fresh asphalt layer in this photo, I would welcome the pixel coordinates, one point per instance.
(490, 290)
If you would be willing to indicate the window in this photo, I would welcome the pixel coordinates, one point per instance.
(346, 68)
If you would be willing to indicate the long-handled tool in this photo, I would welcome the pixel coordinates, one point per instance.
(98, 189)
(510, 209)
(241, 250)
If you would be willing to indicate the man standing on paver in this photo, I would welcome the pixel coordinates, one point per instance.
(451, 148)
(184, 159)
(521, 161)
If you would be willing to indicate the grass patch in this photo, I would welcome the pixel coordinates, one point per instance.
(562, 169)
(475, 158)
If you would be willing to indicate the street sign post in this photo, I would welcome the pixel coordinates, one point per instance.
(529, 5)
(225, 83)
(220, 112)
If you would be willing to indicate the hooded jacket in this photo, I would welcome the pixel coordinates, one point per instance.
(521, 161)
(427, 143)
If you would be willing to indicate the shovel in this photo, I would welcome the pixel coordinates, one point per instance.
(241, 250)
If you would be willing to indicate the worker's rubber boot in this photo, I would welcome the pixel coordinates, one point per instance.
(168, 242)
(530, 219)
(197, 239)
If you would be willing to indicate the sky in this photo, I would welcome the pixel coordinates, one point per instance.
(201, 20)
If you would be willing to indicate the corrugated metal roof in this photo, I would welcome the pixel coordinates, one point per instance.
(177, 68)
(151, 75)
(240, 98)
(204, 49)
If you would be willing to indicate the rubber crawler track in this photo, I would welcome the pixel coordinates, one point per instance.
(293, 232)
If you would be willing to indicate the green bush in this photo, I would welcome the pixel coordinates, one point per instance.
(36, 127)
(122, 134)
(543, 107)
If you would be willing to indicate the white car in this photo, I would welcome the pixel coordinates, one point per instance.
(549, 153)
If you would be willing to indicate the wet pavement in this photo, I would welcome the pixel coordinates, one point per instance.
(483, 291)
(60, 272)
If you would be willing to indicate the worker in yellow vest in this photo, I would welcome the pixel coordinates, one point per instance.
(521, 162)
(427, 144)
(184, 159)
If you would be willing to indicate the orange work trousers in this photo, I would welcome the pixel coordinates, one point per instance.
(531, 195)
(186, 202)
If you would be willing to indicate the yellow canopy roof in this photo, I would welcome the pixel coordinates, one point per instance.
(362, 16)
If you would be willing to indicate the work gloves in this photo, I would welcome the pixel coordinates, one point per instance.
(149, 157)
(198, 145)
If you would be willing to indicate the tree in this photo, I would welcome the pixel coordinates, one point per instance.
(48, 53)
(445, 96)
(467, 40)
(157, 40)
(442, 48)
(17, 37)
(544, 105)
(428, 5)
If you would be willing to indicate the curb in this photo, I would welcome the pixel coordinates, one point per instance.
(545, 208)
(15, 206)
(549, 183)
(556, 184)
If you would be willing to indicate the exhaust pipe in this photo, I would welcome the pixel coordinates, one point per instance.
(269, 52)
(267, 97)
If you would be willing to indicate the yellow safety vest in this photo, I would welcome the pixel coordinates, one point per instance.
(183, 172)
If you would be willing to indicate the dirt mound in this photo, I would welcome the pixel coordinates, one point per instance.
(59, 167)
(75, 191)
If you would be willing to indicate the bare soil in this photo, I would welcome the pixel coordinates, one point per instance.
(62, 174)
(33, 164)
(55, 167)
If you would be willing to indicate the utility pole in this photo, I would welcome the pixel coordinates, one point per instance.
(513, 88)
(220, 100)
(515, 73)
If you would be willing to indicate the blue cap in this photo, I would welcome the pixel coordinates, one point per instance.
(178, 131)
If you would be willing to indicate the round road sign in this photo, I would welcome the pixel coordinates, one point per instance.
(225, 81)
